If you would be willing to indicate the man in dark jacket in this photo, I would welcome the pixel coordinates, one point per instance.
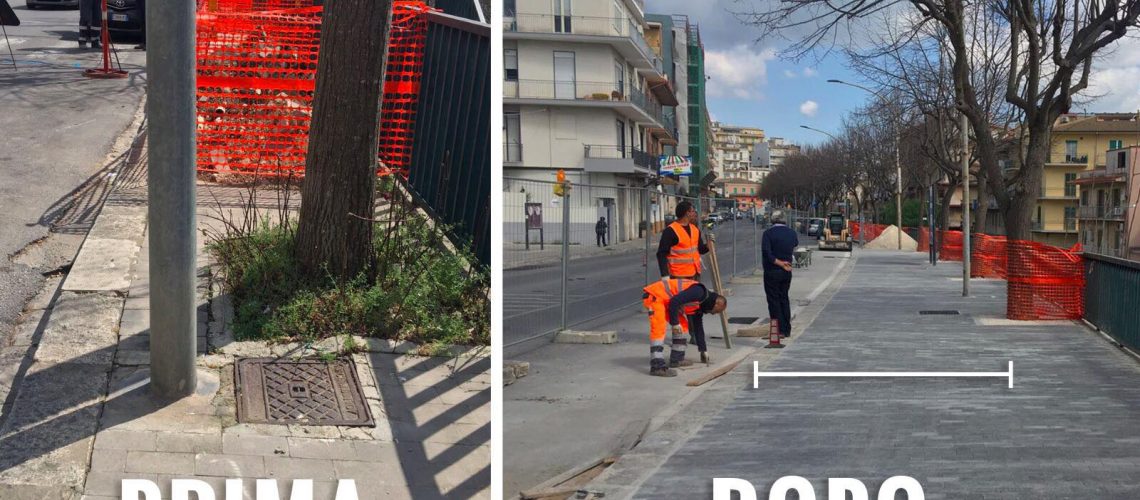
(777, 246)
(601, 228)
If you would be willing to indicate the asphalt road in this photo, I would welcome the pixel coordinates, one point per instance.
(602, 284)
(57, 128)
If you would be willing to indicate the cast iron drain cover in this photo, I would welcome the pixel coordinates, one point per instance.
(945, 312)
(305, 392)
(743, 320)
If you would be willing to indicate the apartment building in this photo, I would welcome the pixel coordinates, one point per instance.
(1080, 144)
(733, 148)
(1105, 207)
(700, 131)
(744, 192)
(768, 155)
(584, 91)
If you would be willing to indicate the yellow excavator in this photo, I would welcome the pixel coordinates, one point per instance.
(836, 234)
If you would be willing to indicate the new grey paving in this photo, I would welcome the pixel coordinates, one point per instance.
(1066, 429)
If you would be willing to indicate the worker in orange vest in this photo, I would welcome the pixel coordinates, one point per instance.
(681, 304)
(679, 255)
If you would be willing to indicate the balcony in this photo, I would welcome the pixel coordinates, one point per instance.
(1068, 159)
(619, 160)
(632, 103)
(1057, 193)
(1101, 175)
(1068, 226)
(1106, 212)
(619, 32)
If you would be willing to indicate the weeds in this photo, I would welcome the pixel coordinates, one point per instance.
(418, 288)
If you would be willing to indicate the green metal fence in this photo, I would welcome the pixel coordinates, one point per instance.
(1112, 295)
(451, 154)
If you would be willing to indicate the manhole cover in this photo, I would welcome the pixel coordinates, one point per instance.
(743, 320)
(306, 392)
(944, 312)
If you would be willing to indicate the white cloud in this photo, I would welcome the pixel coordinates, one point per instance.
(738, 72)
(789, 74)
(1114, 83)
(809, 108)
(810, 72)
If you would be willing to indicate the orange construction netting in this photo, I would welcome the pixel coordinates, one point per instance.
(869, 231)
(1045, 282)
(257, 64)
(950, 245)
(988, 255)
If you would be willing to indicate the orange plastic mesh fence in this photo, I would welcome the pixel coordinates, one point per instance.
(988, 256)
(951, 245)
(869, 231)
(1045, 282)
(923, 239)
(256, 77)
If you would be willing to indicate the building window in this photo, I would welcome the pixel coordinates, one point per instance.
(509, 8)
(511, 65)
(1070, 185)
(1115, 144)
(621, 139)
(562, 15)
(619, 78)
(1070, 151)
(512, 134)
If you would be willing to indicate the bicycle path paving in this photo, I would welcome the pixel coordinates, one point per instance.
(1065, 430)
(602, 395)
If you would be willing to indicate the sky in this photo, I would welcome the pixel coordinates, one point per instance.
(752, 86)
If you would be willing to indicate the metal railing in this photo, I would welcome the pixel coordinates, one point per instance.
(450, 171)
(543, 292)
(582, 25)
(1069, 159)
(1112, 290)
(639, 157)
(583, 91)
(1114, 212)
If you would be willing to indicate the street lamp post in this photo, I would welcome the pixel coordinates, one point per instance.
(898, 161)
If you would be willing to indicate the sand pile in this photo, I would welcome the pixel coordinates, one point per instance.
(889, 241)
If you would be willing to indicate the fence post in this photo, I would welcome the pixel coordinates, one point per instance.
(756, 237)
(565, 254)
(645, 208)
(734, 243)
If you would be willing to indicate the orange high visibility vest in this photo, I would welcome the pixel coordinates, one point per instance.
(657, 290)
(685, 256)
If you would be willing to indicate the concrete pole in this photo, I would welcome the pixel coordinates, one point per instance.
(965, 208)
(171, 190)
(734, 244)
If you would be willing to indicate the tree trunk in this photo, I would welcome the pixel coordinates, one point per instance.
(1019, 213)
(335, 227)
(944, 215)
(979, 223)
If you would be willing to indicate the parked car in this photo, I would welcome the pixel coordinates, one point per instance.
(33, 4)
(126, 16)
(815, 227)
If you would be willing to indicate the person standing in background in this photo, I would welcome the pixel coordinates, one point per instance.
(601, 228)
(679, 257)
(777, 246)
(90, 23)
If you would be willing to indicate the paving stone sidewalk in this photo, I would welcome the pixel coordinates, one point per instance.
(82, 419)
(1063, 431)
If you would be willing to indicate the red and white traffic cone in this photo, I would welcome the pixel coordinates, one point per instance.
(774, 335)
(105, 37)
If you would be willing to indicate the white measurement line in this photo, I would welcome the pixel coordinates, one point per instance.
(757, 374)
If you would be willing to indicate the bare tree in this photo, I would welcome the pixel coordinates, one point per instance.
(1050, 51)
(334, 232)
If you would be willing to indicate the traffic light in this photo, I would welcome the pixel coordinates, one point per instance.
(563, 186)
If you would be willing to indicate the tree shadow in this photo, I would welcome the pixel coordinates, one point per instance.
(75, 212)
(438, 422)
